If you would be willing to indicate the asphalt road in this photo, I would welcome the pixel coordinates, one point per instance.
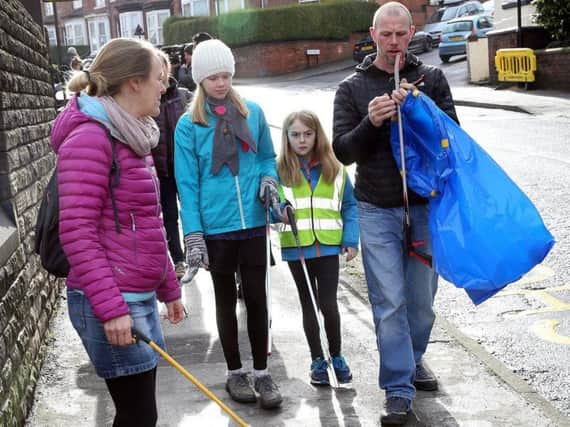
(526, 326)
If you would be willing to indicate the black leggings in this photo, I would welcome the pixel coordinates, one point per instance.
(225, 257)
(253, 288)
(323, 271)
(134, 397)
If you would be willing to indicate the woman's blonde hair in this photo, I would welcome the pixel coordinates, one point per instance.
(165, 60)
(198, 105)
(118, 61)
(288, 165)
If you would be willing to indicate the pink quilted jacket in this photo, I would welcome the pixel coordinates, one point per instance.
(105, 263)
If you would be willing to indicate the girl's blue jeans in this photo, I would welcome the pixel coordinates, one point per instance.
(401, 291)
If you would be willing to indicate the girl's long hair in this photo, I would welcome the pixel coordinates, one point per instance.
(198, 105)
(288, 165)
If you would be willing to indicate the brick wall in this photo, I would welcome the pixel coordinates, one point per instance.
(270, 59)
(27, 296)
(552, 66)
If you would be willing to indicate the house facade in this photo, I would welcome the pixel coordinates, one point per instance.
(93, 22)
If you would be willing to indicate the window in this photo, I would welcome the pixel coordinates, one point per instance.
(99, 3)
(225, 6)
(77, 4)
(458, 27)
(195, 8)
(48, 9)
(154, 21)
(74, 32)
(9, 237)
(129, 22)
(436, 17)
(449, 13)
(99, 33)
(50, 29)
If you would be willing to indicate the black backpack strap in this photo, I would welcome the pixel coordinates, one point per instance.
(114, 180)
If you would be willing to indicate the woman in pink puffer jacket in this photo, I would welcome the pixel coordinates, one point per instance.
(116, 276)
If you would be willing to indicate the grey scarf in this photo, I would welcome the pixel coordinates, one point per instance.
(139, 134)
(231, 130)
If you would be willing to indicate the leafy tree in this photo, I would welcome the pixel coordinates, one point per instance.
(554, 15)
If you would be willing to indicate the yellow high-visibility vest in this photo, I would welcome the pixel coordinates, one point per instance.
(317, 212)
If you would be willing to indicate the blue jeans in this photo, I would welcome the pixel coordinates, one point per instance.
(113, 361)
(401, 291)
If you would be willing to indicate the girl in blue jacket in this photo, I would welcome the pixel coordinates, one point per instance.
(318, 187)
(224, 162)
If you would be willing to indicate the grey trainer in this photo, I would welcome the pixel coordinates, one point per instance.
(269, 394)
(239, 388)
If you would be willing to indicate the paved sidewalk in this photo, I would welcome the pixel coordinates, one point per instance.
(473, 391)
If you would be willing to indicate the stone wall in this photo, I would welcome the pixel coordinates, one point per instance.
(270, 59)
(552, 67)
(28, 297)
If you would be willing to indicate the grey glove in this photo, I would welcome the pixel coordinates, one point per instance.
(269, 184)
(196, 254)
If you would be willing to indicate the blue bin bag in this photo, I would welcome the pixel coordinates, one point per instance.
(485, 231)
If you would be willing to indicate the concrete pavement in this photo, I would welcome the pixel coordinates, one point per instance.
(476, 389)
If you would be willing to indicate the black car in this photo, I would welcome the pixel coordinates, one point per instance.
(421, 42)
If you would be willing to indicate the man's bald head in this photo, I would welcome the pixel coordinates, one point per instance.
(392, 8)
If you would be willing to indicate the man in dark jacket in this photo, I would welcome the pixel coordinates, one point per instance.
(400, 288)
(185, 71)
(173, 103)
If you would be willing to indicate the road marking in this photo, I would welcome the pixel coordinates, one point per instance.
(538, 274)
(546, 329)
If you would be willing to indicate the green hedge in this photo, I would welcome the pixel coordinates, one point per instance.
(328, 21)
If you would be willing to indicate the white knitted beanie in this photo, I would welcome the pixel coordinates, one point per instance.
(211, 57)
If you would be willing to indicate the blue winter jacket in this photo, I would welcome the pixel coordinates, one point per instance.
(220, 203)
(349, 213)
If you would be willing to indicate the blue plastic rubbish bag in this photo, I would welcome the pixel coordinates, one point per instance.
(485, 231)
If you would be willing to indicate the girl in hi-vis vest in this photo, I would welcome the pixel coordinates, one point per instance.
(317, 186)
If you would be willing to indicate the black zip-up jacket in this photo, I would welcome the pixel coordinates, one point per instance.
(355, 139)
(173, 103)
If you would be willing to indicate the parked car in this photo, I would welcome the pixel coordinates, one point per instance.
(421, 42)
(438, 20)
(457, 31)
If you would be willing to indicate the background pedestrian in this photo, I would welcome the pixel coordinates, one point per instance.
(185, 70)
(173, 103)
